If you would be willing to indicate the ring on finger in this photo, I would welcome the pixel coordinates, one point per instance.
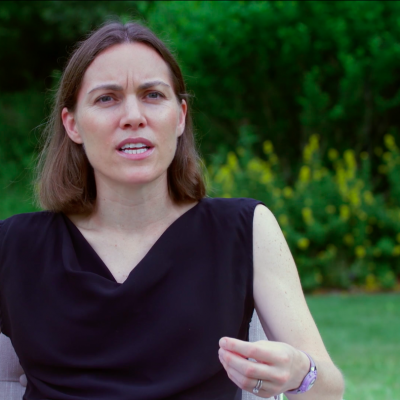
(258, 386)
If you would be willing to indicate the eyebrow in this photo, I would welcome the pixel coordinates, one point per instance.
(118, 88)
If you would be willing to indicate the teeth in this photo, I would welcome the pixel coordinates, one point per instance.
(132, 146)
(138, 151)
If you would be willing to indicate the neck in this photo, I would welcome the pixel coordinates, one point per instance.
(133, 208)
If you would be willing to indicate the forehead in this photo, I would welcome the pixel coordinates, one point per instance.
(126, 63)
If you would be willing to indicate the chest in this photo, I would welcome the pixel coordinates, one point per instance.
(121, 253)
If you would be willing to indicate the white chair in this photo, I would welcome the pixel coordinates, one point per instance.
(11, 371)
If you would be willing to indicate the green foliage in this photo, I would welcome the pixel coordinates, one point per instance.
(288, 69)
(340, 231)
(36, 36)
(20, 113)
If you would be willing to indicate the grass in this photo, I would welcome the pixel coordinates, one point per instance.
(362, 335)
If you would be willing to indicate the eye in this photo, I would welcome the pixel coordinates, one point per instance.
(155, 95)
(104, 99)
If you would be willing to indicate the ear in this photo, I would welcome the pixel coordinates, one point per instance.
(69, 123)
(182, 117)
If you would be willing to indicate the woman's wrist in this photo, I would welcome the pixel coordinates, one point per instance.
(301, 367)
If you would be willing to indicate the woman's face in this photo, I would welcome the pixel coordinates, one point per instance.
(127, 115)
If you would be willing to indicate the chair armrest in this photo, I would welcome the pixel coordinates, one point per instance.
(10, 371)
(256, 333)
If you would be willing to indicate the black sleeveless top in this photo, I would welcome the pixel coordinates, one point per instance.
(80, 335)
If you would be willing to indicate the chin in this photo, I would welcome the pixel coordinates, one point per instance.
(142, 179)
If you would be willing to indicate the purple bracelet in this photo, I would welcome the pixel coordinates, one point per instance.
(308, 380)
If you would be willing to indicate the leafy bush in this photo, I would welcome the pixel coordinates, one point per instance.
(20, 113)
(340, 231)
(288, 68)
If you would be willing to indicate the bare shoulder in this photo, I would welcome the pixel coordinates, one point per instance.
(271, 252)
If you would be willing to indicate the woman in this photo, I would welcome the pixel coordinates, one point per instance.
(127, 283)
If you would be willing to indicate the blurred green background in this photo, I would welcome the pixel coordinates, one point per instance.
(296, 103)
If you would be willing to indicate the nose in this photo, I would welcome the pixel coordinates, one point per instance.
(132, 114)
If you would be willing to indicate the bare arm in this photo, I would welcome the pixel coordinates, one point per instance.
(286, 319)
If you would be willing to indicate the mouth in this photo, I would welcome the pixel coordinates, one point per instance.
(134, 148)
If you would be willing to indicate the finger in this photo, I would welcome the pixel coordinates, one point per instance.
(248, 384)
(245, 367)
(239, 380)
(262, 351)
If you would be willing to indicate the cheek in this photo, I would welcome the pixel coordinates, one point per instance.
(93, 127)
(165, 118)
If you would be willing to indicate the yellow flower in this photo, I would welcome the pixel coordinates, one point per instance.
(267, 176)
(314, 141)
(354, 197)
(350, 159)
(344, 212)
(283, 219)
(360, 251)
(390, 142)
(258, 166)
(307, 154)
(305, 173)
(306, 212)
(287, 192)
(333, 154)
(268, 147)
(396, 251)
(311, 148)
(303, 243)
(232, 161)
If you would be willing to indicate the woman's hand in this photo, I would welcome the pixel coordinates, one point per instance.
(280, 366)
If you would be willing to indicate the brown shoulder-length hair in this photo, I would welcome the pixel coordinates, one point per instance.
(65, 179)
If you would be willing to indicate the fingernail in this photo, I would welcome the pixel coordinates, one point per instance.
(223, 342)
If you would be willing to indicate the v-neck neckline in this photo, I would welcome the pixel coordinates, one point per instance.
(142, 261)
